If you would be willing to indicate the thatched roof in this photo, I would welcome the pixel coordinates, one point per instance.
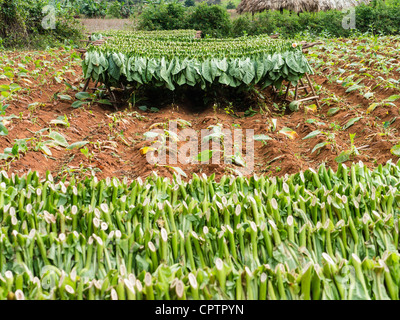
(340, 4)
(296, 5)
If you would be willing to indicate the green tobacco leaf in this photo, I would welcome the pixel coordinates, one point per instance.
(59, 139)
(290, 133)
(343, 157)
(368, 95)
(238, 159)
(4, 156)
(78, 104)
(274, 124)
(15, 149)
(15, 87)
(354, 87)
(393, 98)
(396, 150)
(216, 136)
(318, 123)
(3, 107)
(351, 122)
(77, 145)
(312, 134)
(372, 107)
(104, 101)
(319, 146)
(172, 135)
(151, 134)
(4, 87)
(204, 156)
(45, 150)
(178, 170)
(386, 103)
(294, 106)
(59, 121)
(64, 97)
(332, 111)
(262, 137)
(182, 123)
(250, 112)
(311, 108)
(83, 95)
(9, 74)
(3, 130)
(386, 124)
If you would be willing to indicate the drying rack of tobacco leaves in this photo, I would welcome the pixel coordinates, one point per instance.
(307, 87)
(125, 60)
(93, 40)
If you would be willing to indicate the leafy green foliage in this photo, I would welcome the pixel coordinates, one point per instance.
(120, 10)
(189, 3)
(3, 129)
(93, 8)
(163, 16)
(347, 154)
(230, 5)
(21, 24)
(351, 122)
(212, 20)
(378, 19)
(396, 150)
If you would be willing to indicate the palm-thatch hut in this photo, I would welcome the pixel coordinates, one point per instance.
(297, 6)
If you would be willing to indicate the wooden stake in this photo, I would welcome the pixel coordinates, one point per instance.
(86, 85)
(312, 90)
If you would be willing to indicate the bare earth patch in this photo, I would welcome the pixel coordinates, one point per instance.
(93, 25)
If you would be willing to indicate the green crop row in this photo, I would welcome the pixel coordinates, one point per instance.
(165, 60)
(312, 235)
(160, 34)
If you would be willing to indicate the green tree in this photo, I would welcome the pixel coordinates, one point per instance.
(230, 5)
(163, 16)
(212, 20)
(12, 22)
(190, 3)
